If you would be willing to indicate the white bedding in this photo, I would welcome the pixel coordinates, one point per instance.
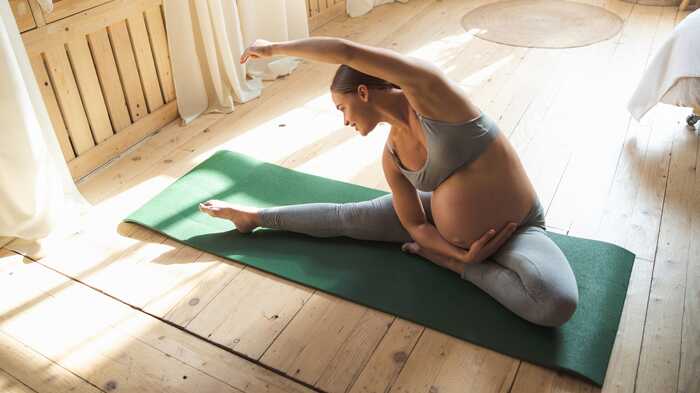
(673, 75)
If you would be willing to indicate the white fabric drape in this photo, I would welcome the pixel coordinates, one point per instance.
(36, 189)
(674, 72)
(206, 39)
(361, 7)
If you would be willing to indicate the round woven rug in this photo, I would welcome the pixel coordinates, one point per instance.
(542, 23)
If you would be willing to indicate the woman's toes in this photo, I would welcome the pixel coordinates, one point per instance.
(212, 210)
(411, 247)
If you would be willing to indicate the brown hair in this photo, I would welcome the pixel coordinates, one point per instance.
(347, 79)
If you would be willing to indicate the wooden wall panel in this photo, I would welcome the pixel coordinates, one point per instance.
(104, 71)
(112, 147)
(129, 73)
(145, 62)
(108, 75)
(84, 23)
(23, 14)
(161, 54)
(52, 108)
(105, 77)
(65, 8)
(316, 6)
(323, 11)
(37, 13)
(95, 107)
(69, 101)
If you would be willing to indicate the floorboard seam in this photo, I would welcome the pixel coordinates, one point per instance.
(653, 266)
(47, 358)
(515, 377)
(359, 372)
(18, 380)
(687, 268)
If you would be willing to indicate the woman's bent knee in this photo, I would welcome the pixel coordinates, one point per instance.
(557, 310)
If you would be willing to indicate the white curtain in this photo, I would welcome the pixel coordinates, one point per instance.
(36, 189)
(206, 39)
(361, 7)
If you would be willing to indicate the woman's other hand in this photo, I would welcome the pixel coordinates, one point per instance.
(259, 49)
(488, 244)
(481, 249)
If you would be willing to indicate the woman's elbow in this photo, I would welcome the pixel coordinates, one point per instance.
(345, 51)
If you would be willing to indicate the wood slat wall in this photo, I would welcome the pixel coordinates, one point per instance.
(23, 14)
(103, 68)
(104, 73)
(65, 8)
(322, 11)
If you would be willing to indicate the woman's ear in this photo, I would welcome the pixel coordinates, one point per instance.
(363, 93)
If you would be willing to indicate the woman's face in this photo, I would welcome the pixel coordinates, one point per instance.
(357, 111)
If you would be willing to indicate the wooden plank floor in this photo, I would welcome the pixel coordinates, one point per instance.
(115, 307)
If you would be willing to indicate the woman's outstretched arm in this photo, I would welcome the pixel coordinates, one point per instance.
(428, 90)
(382, 63)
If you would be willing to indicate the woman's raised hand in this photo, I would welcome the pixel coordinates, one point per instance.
(488, 244)
(259, 49)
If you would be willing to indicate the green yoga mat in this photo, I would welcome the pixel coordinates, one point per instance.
(379, 275)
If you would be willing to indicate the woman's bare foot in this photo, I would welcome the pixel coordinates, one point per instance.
(244, 218)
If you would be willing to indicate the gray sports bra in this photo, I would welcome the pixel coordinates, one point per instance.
(450, 146)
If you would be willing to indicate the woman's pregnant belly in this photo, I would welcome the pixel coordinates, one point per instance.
(473, 200)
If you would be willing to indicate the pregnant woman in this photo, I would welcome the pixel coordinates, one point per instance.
(453, 175)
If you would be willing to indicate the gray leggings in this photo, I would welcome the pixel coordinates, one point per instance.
(529, 275)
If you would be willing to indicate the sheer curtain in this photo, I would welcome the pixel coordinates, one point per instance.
(361, 7)
(36, 190)
(206, 39)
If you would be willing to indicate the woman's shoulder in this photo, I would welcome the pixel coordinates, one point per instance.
(447, 103)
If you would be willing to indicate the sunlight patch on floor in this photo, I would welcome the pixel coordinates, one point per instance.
(482, 76)
(282, 136)
(345, 160)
